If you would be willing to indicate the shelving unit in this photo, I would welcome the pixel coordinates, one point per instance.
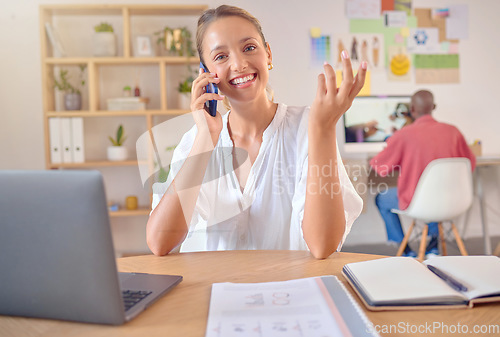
(124, 14)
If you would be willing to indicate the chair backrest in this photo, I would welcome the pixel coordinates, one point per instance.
(444, 190)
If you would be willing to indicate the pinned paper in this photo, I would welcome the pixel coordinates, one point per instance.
(395, 19)
(457, 23)
(363, 9)
(399, 64)
(423, 41)
(403, 5)
(405, 32)
(437, 68)
(445, 46)
(399, 38)
(361, 47)
(440, 13)
(320, 50)
(453, 48)
(365, 91)
(387, 5)
(315, 32)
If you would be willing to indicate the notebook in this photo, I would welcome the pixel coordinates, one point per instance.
(399, 283)
(315, 306)
(56, 252)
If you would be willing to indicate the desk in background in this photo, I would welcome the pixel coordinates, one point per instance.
(481, 164)
(184, 311)
(367, 182)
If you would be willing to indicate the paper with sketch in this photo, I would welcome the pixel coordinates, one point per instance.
(363, 9)
(288, 308)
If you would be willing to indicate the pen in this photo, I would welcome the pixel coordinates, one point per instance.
(449, 280)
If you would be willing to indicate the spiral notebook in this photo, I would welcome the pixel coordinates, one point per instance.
(317, 306)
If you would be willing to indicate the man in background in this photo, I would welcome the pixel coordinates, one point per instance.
(409, 150)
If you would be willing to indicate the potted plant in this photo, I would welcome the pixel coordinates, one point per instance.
(176, 41)
(72, 94)
(117, 151)
(184, 89)
(104, 40)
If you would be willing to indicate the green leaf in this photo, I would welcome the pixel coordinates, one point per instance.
(112, 141)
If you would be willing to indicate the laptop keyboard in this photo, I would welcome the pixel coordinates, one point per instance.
(132, 297)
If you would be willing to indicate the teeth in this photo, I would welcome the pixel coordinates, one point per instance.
(243, 79)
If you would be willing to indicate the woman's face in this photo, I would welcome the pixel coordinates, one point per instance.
(234, 50)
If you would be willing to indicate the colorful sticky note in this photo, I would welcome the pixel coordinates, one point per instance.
(365, 91)
(445, 46)
(453, 48)
(398, 38)
(405, 32)
(315, 32)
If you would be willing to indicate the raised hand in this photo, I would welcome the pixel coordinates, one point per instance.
(331, 102)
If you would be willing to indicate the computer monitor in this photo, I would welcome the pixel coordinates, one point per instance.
(372, 119)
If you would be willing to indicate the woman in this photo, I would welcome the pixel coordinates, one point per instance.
(264, 175)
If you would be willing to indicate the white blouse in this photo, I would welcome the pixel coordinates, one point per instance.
(268, 213)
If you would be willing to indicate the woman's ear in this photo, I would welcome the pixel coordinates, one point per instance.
(269, 53)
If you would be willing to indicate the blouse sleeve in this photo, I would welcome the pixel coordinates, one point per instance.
(353, 204)
(180, 154)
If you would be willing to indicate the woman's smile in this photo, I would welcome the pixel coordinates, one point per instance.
(243, 81)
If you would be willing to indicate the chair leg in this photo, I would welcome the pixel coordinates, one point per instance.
(441, 239)
(405, 240)
(460, 243)
(423, 241)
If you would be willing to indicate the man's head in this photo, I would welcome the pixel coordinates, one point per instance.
(422, 103)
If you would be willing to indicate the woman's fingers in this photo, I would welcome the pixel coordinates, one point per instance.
(331, 82)
(347, 75)
(199, 102)
(201, 82)
(359, 80)
(321, 91)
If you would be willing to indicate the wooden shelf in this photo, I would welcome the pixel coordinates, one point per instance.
(126, 212)
(91, 164)
(171, 60)
(116, 9)
(164, 71)
(107, 113)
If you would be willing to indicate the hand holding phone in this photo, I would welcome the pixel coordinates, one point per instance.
(210, 106)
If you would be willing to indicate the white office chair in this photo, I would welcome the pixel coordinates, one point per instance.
(443, 192)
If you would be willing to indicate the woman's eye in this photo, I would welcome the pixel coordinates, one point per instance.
(219, 57)
(249, 48)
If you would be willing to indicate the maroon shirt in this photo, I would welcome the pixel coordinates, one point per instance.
(410, 149)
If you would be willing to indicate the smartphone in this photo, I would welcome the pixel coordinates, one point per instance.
(210, 106)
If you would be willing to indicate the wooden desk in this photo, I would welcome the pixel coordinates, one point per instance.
(183, 311)
(482, 163)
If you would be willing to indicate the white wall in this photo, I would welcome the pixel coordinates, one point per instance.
(470, 105)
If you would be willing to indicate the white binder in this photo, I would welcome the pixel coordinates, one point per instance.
(77, 139)
(55, 140)
(67, 151)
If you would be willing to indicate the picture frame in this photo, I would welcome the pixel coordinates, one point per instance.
(143, 46)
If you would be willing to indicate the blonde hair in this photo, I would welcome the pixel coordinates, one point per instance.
(213, 14)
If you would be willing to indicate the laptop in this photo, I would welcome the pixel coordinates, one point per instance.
(56, 252)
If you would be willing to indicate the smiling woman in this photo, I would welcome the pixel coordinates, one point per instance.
(255, 177)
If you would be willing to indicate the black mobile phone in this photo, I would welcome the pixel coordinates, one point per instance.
(210, 106)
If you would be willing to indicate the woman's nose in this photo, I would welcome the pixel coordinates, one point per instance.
(238, 62)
